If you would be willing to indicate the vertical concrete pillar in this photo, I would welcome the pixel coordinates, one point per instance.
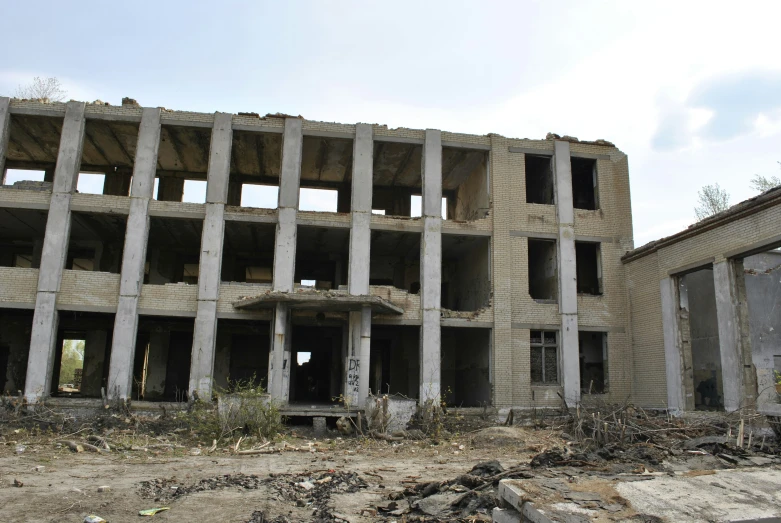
(673, 357)
(5, 131)
(729, 339)
(431, 269)
(55, 248)
(568, 291)
(356, 385)
(94, 360)
(285, 258)
(123, 347)
(205, 336)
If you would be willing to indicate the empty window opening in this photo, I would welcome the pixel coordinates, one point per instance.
(161, 370)
(539, 180)
(259, 196)
(82, 359)
(381, 212)
(588, 265)
(21, 237)
(466, 362)
(416, 206)
(308, 283)
(320, 200)
(248, 252)
(593, 362)
(322, 256)
(466, 272)
(544, 357)
(584, 183)
(117, 182)
(396, 176)
(20, 176)
(174, 250)
(395, 260)
(317, 379)
(394, 364)
(699, 331)
(96, 242)
(90, 183)
(194, 191)
(543, 273)
(465, 184)
(15, 327)
(242, 353)
(183, 161)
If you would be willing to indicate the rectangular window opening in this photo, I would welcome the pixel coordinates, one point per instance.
(539, 180)
(96, 242)
(90, 183)
(416, 206)
(379, 211)
(71, 366)
(592, 348)
(194, 191)
(543, 272)
(13, 176)
(588, 267)
(584, 184)
(173, 250)
(544, 357)
(259, 196)
(318, 200)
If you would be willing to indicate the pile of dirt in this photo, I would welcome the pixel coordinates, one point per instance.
(314, 489)
(171, 488)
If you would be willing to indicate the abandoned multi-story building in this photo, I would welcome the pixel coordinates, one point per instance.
(481, 270)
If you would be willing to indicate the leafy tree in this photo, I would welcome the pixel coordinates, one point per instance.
(72, 359)
(712, 200)
(46, 88)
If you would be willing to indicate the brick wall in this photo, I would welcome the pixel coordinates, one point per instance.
(18, 286)
(88, 289)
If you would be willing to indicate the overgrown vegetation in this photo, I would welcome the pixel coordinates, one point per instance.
(72, 359)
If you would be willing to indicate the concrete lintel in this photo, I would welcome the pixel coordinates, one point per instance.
(729, 338)
(163, 213)
(589, 156)
(431, 204)
(290, 173)
(401, 226)
(17, 305)
(570, 358)
(54, 111)
(532, 234)
(108, 309)
(755, 247)
(248, 315)
(314, 219)
(595, 239)
(43, 337)
(174, 122)
(257, 128)
(147, 147)
(399, 139)
(233, 216)
(460, 322)
(673, 356)
(12, 204)
(285, 250)
(397, 321)
(211, 252)
(691, 267)
(466, 145)
(332, 134)
(465, 231)
(531, 150)
(219, 159)
(166, 312)
(66, 173)
(94, 209)
(619, 329)
(55, 243)
(204, 339)
(536, 326)
(111, 117)
(5, 131)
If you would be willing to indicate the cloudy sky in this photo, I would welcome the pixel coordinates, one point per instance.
(691, 91)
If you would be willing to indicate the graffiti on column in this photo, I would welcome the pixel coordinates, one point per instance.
(353, 372)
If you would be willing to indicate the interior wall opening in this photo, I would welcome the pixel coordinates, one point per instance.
(396, 177)
(466, 272)
(83, 352)
(259, 196)
(107, 158)
(466, 363)
(322, 255)
(543, 270)
(90, 183)
(539, 179)
(22, 177)
(394, 260)
(544, 354)
(585, 194)
(33, 144)
(96, 242)
(248, 252)
(182, 160)
(318, 200)
(326, 174)
(161, 370)
(173, 251)
(242, 354)
(15, 329)
(592, 349)
(394, 365)
(416, 207)
(317, 379)
(588, 267)
(762, 282)
(465, 184)
(700, 337)
(256, 160)
(21, 237)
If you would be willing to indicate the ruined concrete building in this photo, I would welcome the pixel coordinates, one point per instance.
(480, 269)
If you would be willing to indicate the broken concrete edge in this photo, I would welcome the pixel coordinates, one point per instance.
(522, 509)
(324, 300)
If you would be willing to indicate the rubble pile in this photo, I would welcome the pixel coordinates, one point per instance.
(170, 489)
(314, 489)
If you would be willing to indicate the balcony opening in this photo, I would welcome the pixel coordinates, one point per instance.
(317, 379)
(544, 349)
(395, 260)
(161, 370)
(466, 362)
(465, 184)
(21, 237)
(33, 146)
(96, 242)
(83, 353)
(248, 252)
(15, 328)
(242, 353)
(326, 174)
(543, 271)
(539, 179)
(592, 348)
(588, 265)
(173, 251)
(395, 360)
(466, 272)
(397, 175)
(256, 160)
(183, 157)
(585, 194)
(322, 255)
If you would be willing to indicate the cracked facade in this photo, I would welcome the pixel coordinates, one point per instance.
(480, 269)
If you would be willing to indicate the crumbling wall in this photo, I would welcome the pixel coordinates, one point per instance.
(472, 199)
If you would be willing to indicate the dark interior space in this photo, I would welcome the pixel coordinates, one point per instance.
(21, 237)
(183, 155)
(466, 362)
(173, 251)
(466, 272)
(465, 183)
(110, 149)
(588, 266)
(15, 329)
(33, 144)
(326, 163)
(322, 256)
(395, 260)
(592, 348)
(242, 353)
(248, 252)
(395, 360)
(543, 270)
(396, 177)
(256, 159)
(161, 371)
(96, 242)
(539, 179)
(584, 183)
(316, 368)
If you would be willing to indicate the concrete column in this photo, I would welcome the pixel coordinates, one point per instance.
(5, 131)
(94, 360)
(673, 357)
(285, 258)
(209, 275)
(356, 386)
(123, 348)
(568, 291)
(729, 339)
(55, 248)
(431, 270)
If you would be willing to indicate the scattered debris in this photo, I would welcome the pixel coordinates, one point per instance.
(104, 488)
(169, 489)
(94, 519)
(152, 511)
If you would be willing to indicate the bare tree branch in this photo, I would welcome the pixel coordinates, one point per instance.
(48, 89)
(712, 200)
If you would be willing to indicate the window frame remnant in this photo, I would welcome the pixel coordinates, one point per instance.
(545, 346)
